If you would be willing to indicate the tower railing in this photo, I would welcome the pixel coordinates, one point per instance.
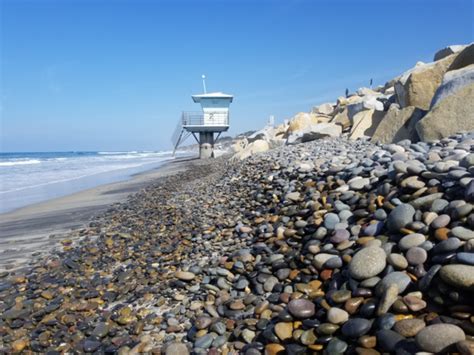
(192, 118)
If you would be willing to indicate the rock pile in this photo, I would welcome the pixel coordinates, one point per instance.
(427, 102)
(333, 246)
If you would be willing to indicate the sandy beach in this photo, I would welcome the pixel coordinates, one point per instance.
(32, 231)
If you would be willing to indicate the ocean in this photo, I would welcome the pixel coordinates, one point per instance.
(27, 178)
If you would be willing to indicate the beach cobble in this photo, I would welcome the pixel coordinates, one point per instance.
(332, 246)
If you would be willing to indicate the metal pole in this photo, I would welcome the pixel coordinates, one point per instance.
(204, 83)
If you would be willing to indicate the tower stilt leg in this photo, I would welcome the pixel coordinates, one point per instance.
(206, 145)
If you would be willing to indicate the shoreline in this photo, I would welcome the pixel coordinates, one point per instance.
(34, 230)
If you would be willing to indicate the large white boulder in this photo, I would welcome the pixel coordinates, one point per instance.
(447, 51)
(342, 118)
(452, 110)
(366, 92)
(301, 121)
(317, 131)
(453, 81)
(367, 103)
(255, 147)
(365, 123)
(324, 109)
(239, 144)
(417, 86)
(398, 124)
(463, 58)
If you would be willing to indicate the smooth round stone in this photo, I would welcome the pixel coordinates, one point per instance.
(385, 321)
(243, 283)
(176, 349)
(367, 341)
(440, 221)
(308, 337)
(356, 327)
(274, 349)
(282, 274)
(270, 283)
(400, 216)
(219, 328)
(373, 228)
(439, 205)
(337, 315)
(437, 337)
(284, 330)
(411, 240)
(184, 275)
(462, 233)
(330, 220)
(340, 235)
(221, 340)
(388, 340)
(301, 308)
(458, 275)
(204, 342)
(333, 263)
(416, 255)
(327, 328)
(414, 303)
(367, 263)
(101, 330)
(336, 346)
(341, 296)
(371, 282)
(248, 335)
(91, 345)
(380, 214)
(398, 261)
(465, 347)
(446, 246)
(465, 258)
(358, 183)
(409, 327)
(388, 298)
(203, 322)
(320, 259)
(397, 278)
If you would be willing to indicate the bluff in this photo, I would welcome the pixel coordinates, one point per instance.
(425, 103)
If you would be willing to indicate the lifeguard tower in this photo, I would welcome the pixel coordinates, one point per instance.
(214, 118)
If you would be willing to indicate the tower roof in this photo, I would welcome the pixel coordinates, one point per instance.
(212, 95)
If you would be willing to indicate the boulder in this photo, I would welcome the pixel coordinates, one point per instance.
(454, 113)
(463, 58)
(398, 125)
(324, 109)
(366, 103)
(447, 51)
(267, 133)
(257, 146)
(365, 123)
(239, 144)
(341, 101)
(280, 130)
(366, 92)
(302, 121)
(342, 118)
(417, 86)
(454, 81)
(314, 132)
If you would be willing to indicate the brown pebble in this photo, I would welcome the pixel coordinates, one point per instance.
(368, 341)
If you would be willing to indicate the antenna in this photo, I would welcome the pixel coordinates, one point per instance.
(204, 83)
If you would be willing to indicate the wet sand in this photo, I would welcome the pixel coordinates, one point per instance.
(32, 231)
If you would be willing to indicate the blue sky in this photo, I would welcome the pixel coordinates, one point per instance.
(115, 75)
